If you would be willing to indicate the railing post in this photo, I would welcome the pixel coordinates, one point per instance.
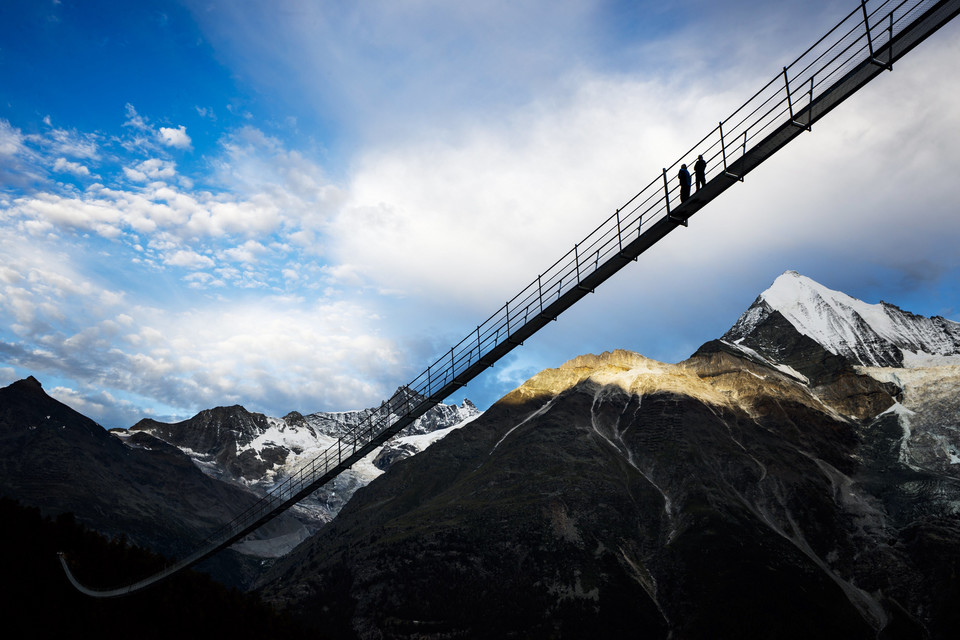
(576, 260)
(793, 117)
(666, 190)
(786, 83)
(890, 45)
(723, 151)
(619, 237)
(866, 25)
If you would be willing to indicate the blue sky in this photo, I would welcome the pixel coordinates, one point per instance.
(298, 205)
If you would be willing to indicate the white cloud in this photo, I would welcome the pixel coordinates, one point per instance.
(11, 139)
(8, 375)
(495, 204)
(42, 290)
(135, 120)
(71, 143)
(251, 251)
(270, 353)
(152, 169)
(176, 138)
(63, 165)
(498, 203)
(134, 175)
(154, 209)
(19, 164)
(279, 353)
(438, 222)
(189, 259)
(147, 139)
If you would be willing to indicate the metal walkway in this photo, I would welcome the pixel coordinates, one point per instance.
(865, 43)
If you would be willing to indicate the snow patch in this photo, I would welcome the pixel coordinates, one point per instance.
(782, 368)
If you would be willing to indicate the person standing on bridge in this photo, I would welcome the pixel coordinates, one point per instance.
(684, 177)
(700, 171)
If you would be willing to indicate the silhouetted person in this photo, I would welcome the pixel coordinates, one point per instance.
(684, 177)
(700, 170)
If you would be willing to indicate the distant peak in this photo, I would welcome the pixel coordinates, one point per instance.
(869, 334)
(790, 282)
(29, 384)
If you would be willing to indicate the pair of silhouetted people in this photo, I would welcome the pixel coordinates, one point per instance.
(700, 169)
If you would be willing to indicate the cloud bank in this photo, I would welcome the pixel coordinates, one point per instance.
(471, 149)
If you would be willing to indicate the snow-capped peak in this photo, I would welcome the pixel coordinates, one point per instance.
(869, 334)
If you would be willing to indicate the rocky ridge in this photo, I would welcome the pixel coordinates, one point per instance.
(257, 452)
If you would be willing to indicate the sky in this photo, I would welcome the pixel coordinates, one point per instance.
(297, 205)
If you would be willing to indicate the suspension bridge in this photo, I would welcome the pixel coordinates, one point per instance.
(864, 44)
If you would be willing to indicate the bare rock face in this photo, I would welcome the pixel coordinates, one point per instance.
(616, 496)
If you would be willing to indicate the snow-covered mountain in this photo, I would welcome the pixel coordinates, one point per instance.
(811, 332)
(258, 451)
(879, 335)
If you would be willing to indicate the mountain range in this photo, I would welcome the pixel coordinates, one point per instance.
(256, 452)
(776, 484)
(797, 477)
(166, 486)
